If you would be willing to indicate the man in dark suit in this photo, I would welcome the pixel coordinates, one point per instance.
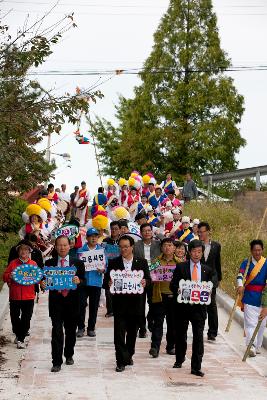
(64, 306)
(149, 249)
(192, 269)
(212, 258)
(127, 308)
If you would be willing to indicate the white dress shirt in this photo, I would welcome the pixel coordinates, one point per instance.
(198, 269)
(147, 252)
(127, 264)
(66, 263)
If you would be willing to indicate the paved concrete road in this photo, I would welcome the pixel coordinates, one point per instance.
(26, 374)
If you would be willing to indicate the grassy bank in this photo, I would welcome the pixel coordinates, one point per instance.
(5, 247)
(234, 229)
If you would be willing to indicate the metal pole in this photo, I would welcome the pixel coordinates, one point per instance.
(96, 155)
(48, 154)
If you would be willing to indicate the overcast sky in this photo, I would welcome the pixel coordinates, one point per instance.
(118, 34)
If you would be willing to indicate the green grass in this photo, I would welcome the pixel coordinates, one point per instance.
(5, 246)
(234, 229)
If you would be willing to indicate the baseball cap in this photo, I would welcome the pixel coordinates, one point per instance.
(92, 231)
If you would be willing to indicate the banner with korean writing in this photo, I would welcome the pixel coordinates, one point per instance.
(194, 292)
(94, 260)
(154, 265)
(126, 282)
(162, 273)
(60, 278)
(111, 250)
(71, 231)
(27, 274)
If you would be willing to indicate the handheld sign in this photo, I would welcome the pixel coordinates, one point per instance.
(27, 274)
(60, 278)
(193, 292)
(154, 265)
(93, 259)
(111, 250)
(163, 273)
(126, 282)
(71, 231)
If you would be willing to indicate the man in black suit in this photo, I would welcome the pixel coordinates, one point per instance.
(212, 258)
(64, 306)
(149, 249)
(192, 269)
(127, 308)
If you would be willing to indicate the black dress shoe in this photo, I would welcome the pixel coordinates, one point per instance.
(197, 372)
(120, 368)
(171, 352)
(212, 338)
(56, 368)
(154, 352)
(142, 335)
(130, 362)
(69, 361)
(177, 365)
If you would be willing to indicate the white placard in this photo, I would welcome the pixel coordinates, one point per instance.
(93, 259)
(126, 282)
(194, 292)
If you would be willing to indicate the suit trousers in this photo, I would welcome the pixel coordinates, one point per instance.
(65, 317)
(20, 315)
(125, 332)
(94, 293)
(182, 319)
(108, 301)
(142, 320)
(213, 315)
(158, 313)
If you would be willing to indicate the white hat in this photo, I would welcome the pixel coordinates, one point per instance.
(196, 221)
(149, 208)
(186, 219)
(176, 210)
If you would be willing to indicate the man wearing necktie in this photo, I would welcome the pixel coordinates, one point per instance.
(192, 270)
(64, 306)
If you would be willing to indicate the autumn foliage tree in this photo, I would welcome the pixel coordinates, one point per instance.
(28, 112)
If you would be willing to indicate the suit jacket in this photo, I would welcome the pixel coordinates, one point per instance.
(154, 249)
(214, 262)
(127, 304)
(72, 299)
(182, 271)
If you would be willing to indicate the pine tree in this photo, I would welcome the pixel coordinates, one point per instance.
(185, 114)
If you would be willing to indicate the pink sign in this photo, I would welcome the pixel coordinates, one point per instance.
(162, 273)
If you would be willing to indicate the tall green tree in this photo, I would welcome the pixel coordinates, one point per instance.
(185, 113)
(29, 112)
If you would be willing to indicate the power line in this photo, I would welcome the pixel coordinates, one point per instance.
(124, 14)
(137, 71)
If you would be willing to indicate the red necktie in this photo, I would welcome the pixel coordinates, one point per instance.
(195, 273)
(64, 292)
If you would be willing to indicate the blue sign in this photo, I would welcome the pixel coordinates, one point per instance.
(27, 274)
(111, 250)
(60, 278)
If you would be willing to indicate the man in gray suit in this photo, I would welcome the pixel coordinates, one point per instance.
(149, 249)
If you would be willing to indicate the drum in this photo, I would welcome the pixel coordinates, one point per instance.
(81, 202)
(63, 205)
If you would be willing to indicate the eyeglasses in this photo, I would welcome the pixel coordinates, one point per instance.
(124, 247)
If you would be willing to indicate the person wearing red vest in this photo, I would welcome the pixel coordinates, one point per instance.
(21, 298)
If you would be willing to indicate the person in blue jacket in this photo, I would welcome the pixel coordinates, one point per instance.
(91, 288)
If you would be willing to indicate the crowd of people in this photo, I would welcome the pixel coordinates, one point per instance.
(144, 225)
